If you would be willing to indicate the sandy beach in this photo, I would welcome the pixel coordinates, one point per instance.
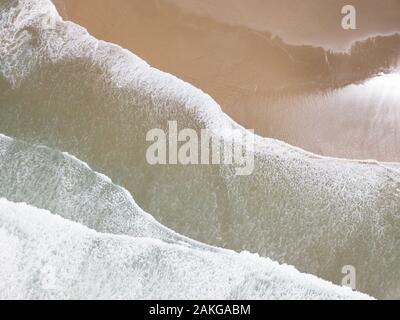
(313, 22)
(230, 51)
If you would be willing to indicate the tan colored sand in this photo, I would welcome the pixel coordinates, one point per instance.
(316, 22)
(222, 49)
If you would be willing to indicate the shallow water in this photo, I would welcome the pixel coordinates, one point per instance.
(359, 121)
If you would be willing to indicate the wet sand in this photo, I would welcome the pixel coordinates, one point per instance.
(229, 52)
(315, 22)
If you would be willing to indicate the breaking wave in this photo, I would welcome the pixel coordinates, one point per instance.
(62, 88)
(53, 258)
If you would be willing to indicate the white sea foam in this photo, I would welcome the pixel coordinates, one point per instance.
(68, 187)
(52, 258)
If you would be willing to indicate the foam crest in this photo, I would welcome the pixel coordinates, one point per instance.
(53, 258)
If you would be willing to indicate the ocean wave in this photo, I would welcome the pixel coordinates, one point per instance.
(97, 101)
(53, 258)
(68, 187)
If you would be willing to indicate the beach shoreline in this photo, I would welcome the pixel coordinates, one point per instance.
(250, 72)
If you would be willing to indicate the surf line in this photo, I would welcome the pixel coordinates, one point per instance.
(233, 147)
